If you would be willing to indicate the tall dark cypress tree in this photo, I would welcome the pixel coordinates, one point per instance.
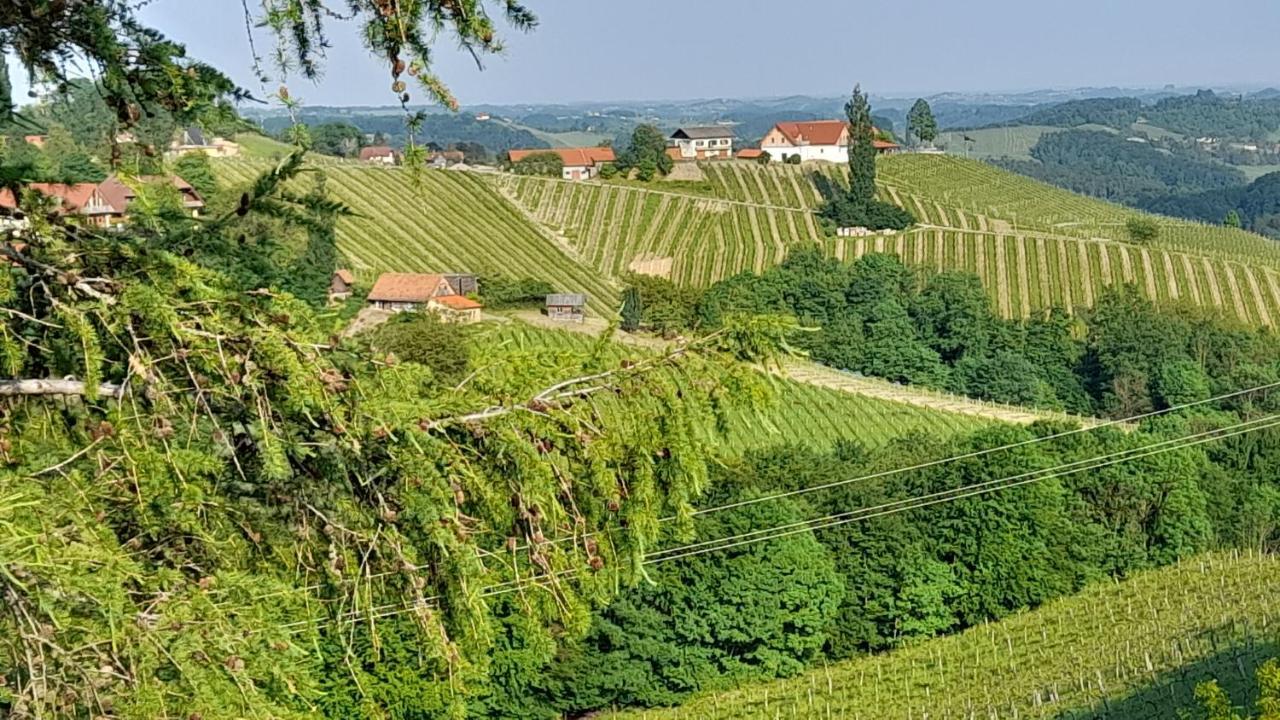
(862, 153)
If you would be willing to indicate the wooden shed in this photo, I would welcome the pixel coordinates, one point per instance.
(569, 307)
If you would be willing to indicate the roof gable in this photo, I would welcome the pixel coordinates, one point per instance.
(409, 287)
(572, 157)
(823, 132)
(702, 132)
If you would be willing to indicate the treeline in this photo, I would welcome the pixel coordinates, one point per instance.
(772, 609)
(445, 130)
(877, 317)
(1203, 114)
(1255, 206)
(1109, 166)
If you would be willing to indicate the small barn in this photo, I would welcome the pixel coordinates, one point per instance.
(340, 284)
(568, 307)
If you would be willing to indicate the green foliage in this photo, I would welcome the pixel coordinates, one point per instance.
(339, 139)
(1232, 219)
(862, 153)
(793, 159)
(1217, 705)
(759, 611)
(664, 306)
(921, 123)
(501, 291)
(195, 168)
(632, 309)
(68, 162)
(423, 338)
(646, 153)
(608, 171)
(545, 164)
(1142, 230)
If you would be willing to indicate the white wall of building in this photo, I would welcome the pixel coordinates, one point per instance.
(584, 172)
(710, 147)
(830, 153)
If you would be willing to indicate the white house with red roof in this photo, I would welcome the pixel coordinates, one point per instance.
(399, 292)
(815, 140)
(579, 163)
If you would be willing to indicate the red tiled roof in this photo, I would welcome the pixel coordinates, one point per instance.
(821, 132)
(572, 157)
(457, 302)
(376, 151)
(749, 153)
(74, 197)
(407, 287)
(345, 275)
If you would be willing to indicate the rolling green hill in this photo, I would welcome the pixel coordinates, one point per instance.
(1132, 650)
(454, 222)
(1034, 245)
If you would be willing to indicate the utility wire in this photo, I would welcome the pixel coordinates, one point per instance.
(836, 519)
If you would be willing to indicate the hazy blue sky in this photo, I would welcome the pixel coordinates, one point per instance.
(675, 49)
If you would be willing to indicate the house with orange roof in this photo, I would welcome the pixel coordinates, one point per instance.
(814, 140)
(380, 155)
(401, 292)
(104, 204)
(341, 284)
(579, 163)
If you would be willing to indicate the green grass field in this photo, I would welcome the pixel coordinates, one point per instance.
(1011, 142)
(1133, 650)
(255, 146)
(796, 414)
(454, 222)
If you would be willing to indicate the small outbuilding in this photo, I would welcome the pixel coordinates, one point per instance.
(568, 307)
(340, 284)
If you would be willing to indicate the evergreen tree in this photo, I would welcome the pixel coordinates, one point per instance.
(862, 151)
(1232, 219)
(195, 168)
(632, 310)
(921, 123)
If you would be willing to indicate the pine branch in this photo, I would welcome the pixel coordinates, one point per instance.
(53, 386)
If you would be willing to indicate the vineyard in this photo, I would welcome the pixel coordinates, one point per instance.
(1132, 650)
(454, 222)
(1034, 246)
(798, 413)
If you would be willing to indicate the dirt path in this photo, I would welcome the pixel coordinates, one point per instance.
(819, 375)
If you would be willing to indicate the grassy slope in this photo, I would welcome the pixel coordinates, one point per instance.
(1034, 245)
(1135, 648)
(798, 413)
(253, 145)
(453, 223)
(1012, 142)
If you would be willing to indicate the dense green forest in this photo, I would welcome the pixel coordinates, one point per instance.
(1256, 206)
(442, 129)
(1112, 167)
(1204, 114)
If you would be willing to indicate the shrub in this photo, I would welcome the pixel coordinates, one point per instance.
(500, 292)
(608, 171)
(844, 211)
(425, 339)
(793, 159)
(547, 164)
(764, 158)
(1142, 229)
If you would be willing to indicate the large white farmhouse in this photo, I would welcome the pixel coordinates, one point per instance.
(815, 140)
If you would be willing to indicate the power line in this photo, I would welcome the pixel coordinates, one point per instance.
(877, 475)
(846, 517)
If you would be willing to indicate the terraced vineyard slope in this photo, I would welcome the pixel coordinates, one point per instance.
(454, 222)
(1034, 246)
(798, 413)
(1132, 650)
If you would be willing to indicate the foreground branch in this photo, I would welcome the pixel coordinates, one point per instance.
(34, 386)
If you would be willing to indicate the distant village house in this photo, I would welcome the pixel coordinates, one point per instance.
(379, 155)
(579, 163)
(567, 307)
(817, 140)
(104, 204)
(193, 139)
(441, 294)
(702, 142)
(37, 140)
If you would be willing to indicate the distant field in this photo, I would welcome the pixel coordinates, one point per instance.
(1012, 142)
(1253, 172)
(454, 222)
(253, 145)
(1133, 650)
(565, 139)
(799, 413)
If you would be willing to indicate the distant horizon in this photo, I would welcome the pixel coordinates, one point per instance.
(584, 51)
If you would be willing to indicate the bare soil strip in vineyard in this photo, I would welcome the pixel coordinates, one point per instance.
(1214, 291)
(1001, 280)
(1264, 314)
(1192, 281)
(1237, 298)
(822, 376)
(1042, 264)
(1170, 278)
(1024, 283)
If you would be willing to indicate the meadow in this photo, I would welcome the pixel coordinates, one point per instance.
(1134, 650)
